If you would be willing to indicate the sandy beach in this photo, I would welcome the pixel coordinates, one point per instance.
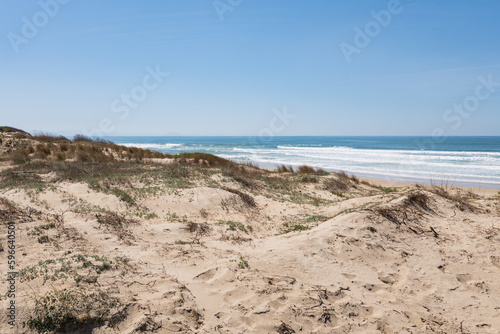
(481, 191)
(197, 244)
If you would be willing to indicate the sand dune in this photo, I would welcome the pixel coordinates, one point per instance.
(198, 258)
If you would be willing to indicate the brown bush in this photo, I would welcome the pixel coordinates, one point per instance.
(20, 156)
(49, 138)
(42, 151)
(247, 199)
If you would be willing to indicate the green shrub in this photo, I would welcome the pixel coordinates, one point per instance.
(69, 310)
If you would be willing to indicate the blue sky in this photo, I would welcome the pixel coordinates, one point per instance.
(67, 67)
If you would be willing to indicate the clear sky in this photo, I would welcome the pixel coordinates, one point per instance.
(343, 67)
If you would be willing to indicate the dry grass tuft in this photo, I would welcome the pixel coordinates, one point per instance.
(304, 169)
(246, 182)
(9, 212)
(408, 213)
(20, 156)
(462, 203)
(418, 199)
(340, 184)
(230, 168)
(49, 138)
(199, 229)
(117, 224)
(202, 228)
(284, 169)
(285, 329)
(79, 137)
(247, 199)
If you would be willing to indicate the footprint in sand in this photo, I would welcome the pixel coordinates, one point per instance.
(238, 295)
(372, 287)
(464, 278)
(387, 278)
(349, 276)
(496, 261)
(213, 275)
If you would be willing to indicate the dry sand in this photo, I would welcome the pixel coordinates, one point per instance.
(436, 270)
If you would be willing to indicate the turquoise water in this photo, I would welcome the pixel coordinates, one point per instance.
(460, 161)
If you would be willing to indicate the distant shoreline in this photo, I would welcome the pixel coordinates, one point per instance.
(482, 191)
(472, 162)
(392, 181)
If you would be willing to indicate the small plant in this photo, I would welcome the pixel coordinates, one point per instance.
(117, 224)
(62, 268)
(309, 179)
(387, 190)
(296, 228)
(172, 216)
(151, 215)
(313, 219)
(43, 239)
(39, 229)
(243, 264)
(233, 226)
(204, 213)
(123, 196)
(114, 220)
(199, 229)
(202, 228)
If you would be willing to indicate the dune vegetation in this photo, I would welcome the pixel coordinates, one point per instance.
(121, 239)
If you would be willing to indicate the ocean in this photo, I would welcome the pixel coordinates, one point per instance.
(458, 161)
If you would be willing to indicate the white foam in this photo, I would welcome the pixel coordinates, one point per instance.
(152, 146)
